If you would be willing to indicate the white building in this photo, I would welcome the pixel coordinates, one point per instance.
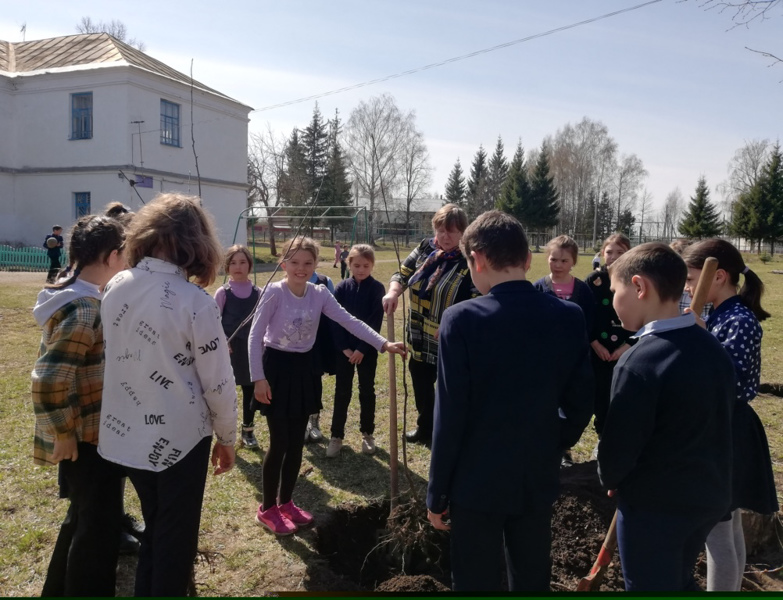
(83, 116)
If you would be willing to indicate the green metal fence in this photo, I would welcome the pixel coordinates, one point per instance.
(26, 259)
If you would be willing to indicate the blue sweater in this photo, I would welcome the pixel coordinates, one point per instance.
(666, 444)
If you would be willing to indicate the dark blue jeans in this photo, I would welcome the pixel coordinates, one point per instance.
(84, 560)
(658, 550)
(479, 541)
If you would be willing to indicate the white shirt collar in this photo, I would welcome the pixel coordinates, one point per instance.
(661, 325)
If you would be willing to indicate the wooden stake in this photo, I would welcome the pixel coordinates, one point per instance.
(393, 434)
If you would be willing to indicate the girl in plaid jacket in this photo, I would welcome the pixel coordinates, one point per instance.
(67, 386)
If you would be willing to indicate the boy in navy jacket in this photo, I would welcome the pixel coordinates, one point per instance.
(504, 411)
(666, 446)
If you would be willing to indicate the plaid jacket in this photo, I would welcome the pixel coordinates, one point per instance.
(455, 285)
(67, 381)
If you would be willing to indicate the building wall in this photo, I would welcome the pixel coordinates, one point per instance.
(41, 168)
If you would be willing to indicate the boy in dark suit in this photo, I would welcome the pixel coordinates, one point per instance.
(666, 445)
(54, 251)
(514, 389)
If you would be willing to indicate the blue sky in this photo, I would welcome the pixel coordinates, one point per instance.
(673, 83)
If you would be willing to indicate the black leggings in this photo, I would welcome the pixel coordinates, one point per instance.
(248, 412)
(284, 457)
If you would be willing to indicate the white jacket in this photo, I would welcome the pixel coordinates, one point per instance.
(168, 381)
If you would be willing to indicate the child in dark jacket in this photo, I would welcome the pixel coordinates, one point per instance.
(666, 445)
(360, 295)
(608, 339)
(562, 254)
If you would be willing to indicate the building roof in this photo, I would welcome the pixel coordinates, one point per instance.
(88, 50)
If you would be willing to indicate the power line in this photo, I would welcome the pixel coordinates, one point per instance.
(457, 58)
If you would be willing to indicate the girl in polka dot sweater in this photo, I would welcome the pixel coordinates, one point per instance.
(735, 322)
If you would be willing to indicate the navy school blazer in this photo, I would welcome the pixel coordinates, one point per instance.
(514, 388)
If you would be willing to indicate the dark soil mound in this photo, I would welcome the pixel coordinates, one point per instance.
(363, 547)
(412, 583)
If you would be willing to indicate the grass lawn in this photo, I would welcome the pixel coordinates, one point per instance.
(245, 560)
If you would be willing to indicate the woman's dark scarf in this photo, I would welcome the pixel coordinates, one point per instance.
(432, 268)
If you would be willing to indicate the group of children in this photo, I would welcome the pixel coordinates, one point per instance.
(680, 447)
(138, 365)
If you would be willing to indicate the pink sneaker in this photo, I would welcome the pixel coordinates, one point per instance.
(275, 521)
(296, 515)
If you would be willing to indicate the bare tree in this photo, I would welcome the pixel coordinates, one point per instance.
(114, 28)
(580, 161)
(374, 137)
(266, 168)
(627, 180)
(745, 12)
(415, 170)
(645, 212)
(670, 215)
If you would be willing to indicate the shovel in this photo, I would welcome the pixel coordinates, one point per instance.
(592, 581)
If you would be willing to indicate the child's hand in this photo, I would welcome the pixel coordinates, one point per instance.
(619, 352)
(395, 348)
(437, 520)
(437, 334)
(356, 358)
(600, 350)
(262, 392)
(348, 353)
(65, 450)
(222, 458)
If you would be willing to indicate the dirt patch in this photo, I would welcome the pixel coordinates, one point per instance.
(358, 546)
(412, 583)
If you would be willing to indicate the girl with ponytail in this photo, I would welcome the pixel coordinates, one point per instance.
(735, 322)
(67, 390)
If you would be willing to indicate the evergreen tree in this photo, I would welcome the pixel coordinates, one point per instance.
(294, 188)
(455, 186)
(477, 197)
(498, 171)
(336, 190)
(315, 146)
(758, 213)
(516, 187)
(542, 209)
(701, 219)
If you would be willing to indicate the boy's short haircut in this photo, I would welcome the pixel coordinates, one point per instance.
(659, 263)
(450, 217)
(56, 227)
(237, 249)
(566, 243)
(499, 237)
(364, 251)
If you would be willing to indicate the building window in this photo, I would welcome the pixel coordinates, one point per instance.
(81, 116)
(169, 123)
(81, 201)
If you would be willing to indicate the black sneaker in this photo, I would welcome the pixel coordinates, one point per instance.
(131, 526)
(566, 460)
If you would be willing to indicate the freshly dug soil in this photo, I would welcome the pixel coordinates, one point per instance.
(412, 583)
(406, 554)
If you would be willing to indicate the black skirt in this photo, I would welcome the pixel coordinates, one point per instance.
(753, 480)
(295, 382)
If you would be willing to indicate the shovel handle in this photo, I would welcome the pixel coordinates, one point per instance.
(703, 286)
